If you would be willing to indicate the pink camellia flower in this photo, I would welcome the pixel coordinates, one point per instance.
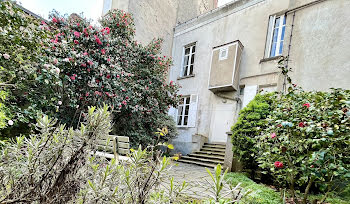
(85, 32)
(77, 34)
(76, 42)
(88, 70)
(107, 30)
(72, 77)
(108, 76)
(118, 76)
(306, 105)
(78, 24)
(85, 53)
(54, 20)
(301, 124)
(278, 164)
(124, 102)
(83, 65)
(109, 59)
(90, 63)
(97, 81)
(55, 61)
(127, 98)
(103, 51)
(98, 40)
(86, 94)
(6, 56)
(273, 135)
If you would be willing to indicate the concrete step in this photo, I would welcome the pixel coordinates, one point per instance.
(198, 154)
(216, 143)
(214, 146)
(207, 160)
(211, 153)
(212, 149)
(197, 163)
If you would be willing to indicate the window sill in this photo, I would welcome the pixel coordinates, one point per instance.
(269, 59)
(185, 77)
(183, 127)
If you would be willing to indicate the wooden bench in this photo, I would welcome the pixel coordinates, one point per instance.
(113, 146)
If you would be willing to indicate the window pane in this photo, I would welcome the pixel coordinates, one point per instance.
(277, 22)
(273, 49)
(191, 69)
(187, 109)
(282, 34)
(187, 51)
(284, 20)
(185, 120)
(275, 35)
(186, 60)
(281, 47)
(192, 59)
(179, 120)
(193, 49)
(180, 110)
(187, 100)
(185, 71)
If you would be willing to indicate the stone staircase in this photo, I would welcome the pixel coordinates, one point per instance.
(210, 155)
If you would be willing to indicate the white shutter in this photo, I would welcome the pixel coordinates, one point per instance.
(172, 112)
(192, 115)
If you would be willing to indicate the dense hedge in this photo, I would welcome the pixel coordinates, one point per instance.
(250, 123)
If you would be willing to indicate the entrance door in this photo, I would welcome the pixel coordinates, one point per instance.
(221, 121)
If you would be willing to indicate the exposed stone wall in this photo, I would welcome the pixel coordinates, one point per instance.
(189, 9)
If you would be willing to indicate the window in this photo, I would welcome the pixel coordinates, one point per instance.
(186, 112)
(183, 110)
(188, 60)
(277, 26)
(223, 53)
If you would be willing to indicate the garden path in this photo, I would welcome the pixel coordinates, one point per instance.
(197, 179)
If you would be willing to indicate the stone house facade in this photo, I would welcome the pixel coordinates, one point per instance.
(226, 51)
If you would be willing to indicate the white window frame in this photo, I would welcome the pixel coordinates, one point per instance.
(184, 55)
(271, 33)
(183, 115)
(223, 49)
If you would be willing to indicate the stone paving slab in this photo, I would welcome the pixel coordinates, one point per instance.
(196, 177)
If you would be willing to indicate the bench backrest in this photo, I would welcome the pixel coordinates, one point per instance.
(114, 142)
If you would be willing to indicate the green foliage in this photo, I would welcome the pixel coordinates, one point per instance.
(22, 39)
(307, 140)
(250, 123)
(260, 194)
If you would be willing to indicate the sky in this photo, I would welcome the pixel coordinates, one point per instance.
(91, 8)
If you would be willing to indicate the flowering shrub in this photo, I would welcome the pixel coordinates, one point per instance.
(63, 66)
(21, 38)
(307, 139)
(106, 66)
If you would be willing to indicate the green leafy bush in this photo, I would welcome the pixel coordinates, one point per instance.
(307, 140)
(250, 123)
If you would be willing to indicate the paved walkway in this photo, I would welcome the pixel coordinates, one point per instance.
(197, 179)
